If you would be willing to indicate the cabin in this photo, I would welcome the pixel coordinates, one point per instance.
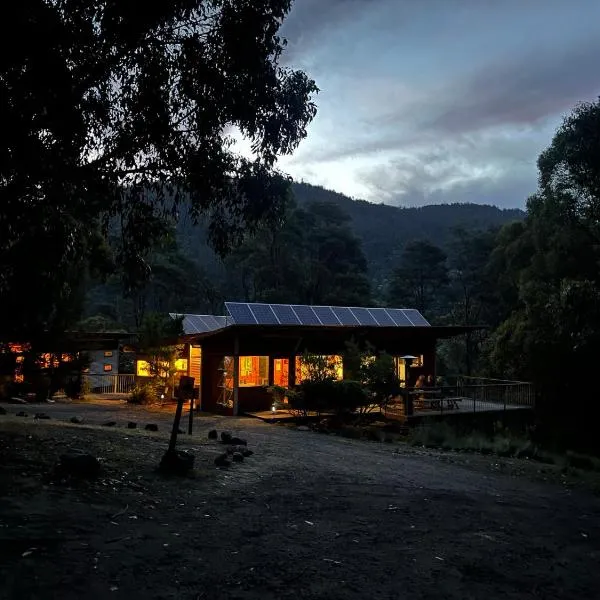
(235, 358)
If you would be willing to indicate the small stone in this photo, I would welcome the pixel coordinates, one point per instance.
(226, 437)
(212, 434)
(131, 425)
(303, 428)
(237, 457)
(151, 427)
(41, 416)
(109, 424)
(76, 420)
(79, 465)
(21, 414)
(246, 452)
(222, 461)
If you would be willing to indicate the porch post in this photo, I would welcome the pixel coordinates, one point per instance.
(236, 375)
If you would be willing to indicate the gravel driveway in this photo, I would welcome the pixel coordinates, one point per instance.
(308, 516)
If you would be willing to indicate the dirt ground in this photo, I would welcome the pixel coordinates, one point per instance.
(307, 516)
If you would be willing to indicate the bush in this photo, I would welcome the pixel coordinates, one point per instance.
(145, 393)
(347, 396)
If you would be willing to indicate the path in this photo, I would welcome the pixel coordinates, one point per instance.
(308, 516)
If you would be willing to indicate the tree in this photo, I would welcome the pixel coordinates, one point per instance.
(553, 332)
(117, 115)
(310, 257)
(420, 277)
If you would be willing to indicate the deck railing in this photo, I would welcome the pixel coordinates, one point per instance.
(470, 394)
(109, 384)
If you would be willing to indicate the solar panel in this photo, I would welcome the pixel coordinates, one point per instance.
(326, 316)
(364, 317)
(306, 314)
(264, 314)
(285, 314)
(345, 315)
(213, 322)
(416, 317)
(200, 323)
(382, 317)
(240, 313)
(399, 317)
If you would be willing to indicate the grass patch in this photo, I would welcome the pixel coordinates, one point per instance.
(442, 436)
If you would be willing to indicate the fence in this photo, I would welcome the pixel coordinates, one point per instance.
(469, 395)
(109, 384)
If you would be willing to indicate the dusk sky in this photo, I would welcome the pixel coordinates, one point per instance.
(430, 101)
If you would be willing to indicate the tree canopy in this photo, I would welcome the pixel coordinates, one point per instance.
(114, 114)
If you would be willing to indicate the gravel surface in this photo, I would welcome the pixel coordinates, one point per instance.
(307, 516)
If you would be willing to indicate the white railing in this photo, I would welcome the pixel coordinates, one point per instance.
(108, 383)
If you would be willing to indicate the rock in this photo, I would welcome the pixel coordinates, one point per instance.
(237, 457)
(226, 437)
(236, 441)
(76, 420)
(246, 452)
(151, 427)
(41, 416)
(222, 461)
(109, 424)
(131, 425)
(80, 465)
(2, 410)
(179, 431)
(21, 414)
(303, 428)
(178, 462)
(212, 434)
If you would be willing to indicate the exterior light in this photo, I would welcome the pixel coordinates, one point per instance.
(162, 396)
(273, 408)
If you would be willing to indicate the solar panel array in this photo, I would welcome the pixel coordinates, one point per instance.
(243, 313)
(201, 323)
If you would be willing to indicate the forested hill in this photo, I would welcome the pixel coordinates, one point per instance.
(384, 230)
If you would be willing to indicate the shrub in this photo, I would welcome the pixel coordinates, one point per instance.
(347, 396)
(145, 393)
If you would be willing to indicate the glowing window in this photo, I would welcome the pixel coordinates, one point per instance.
(143, 368)
(254, 371)
(281, 368)
(181, 364)
(107, 367)
(334, 366)
(108, 353)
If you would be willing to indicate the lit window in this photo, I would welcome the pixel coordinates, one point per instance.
(334, 366)
(108, 353)
(107, 367)
(181, 364)
(281, 368)
(254, 371)
(142, 368)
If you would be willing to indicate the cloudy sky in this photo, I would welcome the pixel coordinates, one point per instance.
(429, 101)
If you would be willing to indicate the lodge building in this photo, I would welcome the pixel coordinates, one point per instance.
(236, 357)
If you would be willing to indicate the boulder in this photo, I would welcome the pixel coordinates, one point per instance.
(131, 425)
(222, 461)
(246, 452)
(226, 437)
(109, 424)
(151, 427)
(79, 465)
(237, 457)
(76, 420)
(178, 462)
(212, 434)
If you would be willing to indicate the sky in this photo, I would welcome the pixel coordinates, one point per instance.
(437, 101)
